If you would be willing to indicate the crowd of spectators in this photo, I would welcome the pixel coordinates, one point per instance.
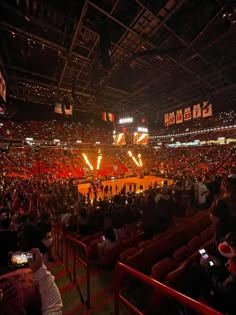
(36, 194)
(47, 131)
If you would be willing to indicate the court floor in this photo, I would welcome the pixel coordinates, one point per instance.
(145, 182)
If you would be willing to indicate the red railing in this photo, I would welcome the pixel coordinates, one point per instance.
(63, 240)
(179, 297)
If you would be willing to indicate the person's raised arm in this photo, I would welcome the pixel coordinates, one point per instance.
(50, 295)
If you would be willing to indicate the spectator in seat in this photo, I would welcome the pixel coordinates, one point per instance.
(109, 241)
(83, 222)
(202, 193)
(151, 217)
(165, 209)
(229, 196)
(222, 293)
(118, 215)
(222, 221)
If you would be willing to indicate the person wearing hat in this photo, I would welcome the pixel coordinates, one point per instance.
(223, 292)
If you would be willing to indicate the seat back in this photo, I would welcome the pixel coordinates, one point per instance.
(128, 252)
(181, 253)
(145, 243)
(194, 243)
(136, 260)
(207, 234)
(162, 268)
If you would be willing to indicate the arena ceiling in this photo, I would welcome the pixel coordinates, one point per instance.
(120, 55)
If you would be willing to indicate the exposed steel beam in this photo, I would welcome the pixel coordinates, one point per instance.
(75, 36)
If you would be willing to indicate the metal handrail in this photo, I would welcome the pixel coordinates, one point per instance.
(72, 243)
(193, 304)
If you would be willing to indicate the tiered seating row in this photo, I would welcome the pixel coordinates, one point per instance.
(172, 243)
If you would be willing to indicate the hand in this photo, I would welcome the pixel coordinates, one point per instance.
(37, 261)
(204, 262)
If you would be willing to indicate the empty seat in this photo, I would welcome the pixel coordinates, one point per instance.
(162, 268)
(137, 260)
(181, 253)
(207, 234)
(175, 279)
(128, 252)
(194, 243)
(144, 244)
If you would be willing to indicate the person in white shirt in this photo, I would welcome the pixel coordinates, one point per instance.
(16, 297)
(202, 192)
(50, 295)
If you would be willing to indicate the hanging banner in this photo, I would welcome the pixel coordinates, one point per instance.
(206, 109)
(68, 109)
(3, 89)
(166, 120)
(179, 116)
(108, 117)
(187, 114)
(58, 108)
(197, 111)
(172, 118)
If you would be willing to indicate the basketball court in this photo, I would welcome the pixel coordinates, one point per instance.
(129, 181)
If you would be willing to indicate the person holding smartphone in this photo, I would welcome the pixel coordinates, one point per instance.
(24, 292)
(50, 295)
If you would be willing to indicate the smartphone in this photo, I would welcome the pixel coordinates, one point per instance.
(126, 202)
(103, 238)
(205, 256)
(19, 259)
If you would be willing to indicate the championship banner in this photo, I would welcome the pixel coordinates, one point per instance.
(108, 117)
(187, 114)
(58, 108)
(206, 109)
(166, 120)
(3, 88)
(68, 109)
(172, 118)
(197, 111)
(179, 116)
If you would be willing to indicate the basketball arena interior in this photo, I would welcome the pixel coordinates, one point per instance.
(118, 160)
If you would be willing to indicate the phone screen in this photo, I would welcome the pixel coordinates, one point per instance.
(205, 256)
(19, 259)
(103, 238)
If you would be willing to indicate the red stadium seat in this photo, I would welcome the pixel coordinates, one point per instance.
(128, 252)
(194, 243)
(175, 279)
(181, 253)
(144, 244)
(137, 260)
(207, 234)
(162, 268)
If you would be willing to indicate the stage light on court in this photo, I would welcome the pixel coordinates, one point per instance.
(87, 161)
(99, 161)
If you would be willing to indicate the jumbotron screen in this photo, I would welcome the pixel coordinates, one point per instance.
(140, 138)
(119, 139)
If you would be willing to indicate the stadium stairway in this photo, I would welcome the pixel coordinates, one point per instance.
(102, 298)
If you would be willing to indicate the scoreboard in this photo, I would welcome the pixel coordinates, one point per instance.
(128, 130)
(140, 138)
